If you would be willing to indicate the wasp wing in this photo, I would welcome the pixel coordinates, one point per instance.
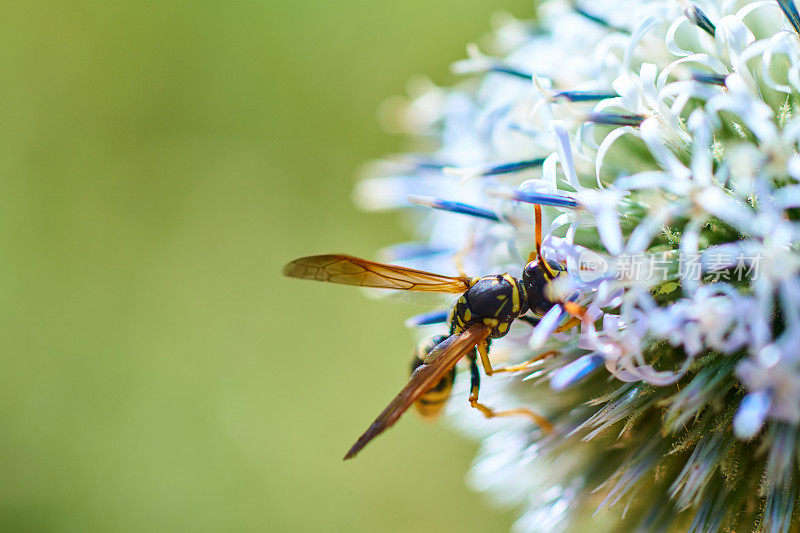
(349, 270)
(441, 359)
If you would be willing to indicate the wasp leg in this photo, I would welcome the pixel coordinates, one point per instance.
(569, 324)
(488, 412)
(525, 365)
(483, 351)
(532, 321)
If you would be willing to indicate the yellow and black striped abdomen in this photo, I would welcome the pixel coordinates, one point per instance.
(431, 403)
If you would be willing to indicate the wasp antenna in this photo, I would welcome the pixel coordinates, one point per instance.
(546, 268)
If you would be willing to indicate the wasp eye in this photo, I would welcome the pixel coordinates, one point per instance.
(557, 269)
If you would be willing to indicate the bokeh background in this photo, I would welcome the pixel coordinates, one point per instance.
(160, 161)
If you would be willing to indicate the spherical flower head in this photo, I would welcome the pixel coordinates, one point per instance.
(662, 139)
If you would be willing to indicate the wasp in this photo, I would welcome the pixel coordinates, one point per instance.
(485, 310)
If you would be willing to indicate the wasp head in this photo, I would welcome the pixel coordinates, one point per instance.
(536, 278)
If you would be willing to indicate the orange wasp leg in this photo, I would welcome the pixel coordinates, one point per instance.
(569, 324)
(487, 411)
(525, 365)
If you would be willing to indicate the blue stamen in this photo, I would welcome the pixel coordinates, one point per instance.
(429, 165)
(713, 79)
(585, 96)
(575, 371)
(455, 207)
(612, 119)
(505, 69)
(598, 20)
(700, 19)
(525, 130)
(507, 168)
(425, 319)
(790, 10)
(542, 199)
(412, 250)
(421, 163)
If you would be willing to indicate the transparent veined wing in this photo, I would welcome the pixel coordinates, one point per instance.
(442, 358)
(349, 270)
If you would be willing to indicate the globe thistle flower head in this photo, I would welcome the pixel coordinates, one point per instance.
(661, 138)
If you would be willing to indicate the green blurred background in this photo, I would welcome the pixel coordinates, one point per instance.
(160, 161)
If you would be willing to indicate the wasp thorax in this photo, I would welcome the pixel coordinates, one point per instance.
(536, 282)
(495, 301)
